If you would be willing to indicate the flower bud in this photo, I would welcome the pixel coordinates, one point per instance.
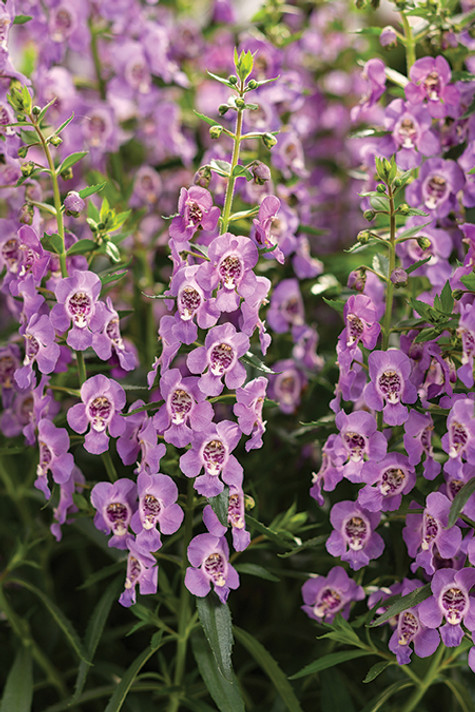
(56, 140)
(424, 243)
(397, 182)
(27, 168)
(202, 176)
(261, 172)
(369, 215)
(363, 237)
(36, 110)
(269, 140)
(240, 103)
(388, 37)
(381, 188)
(222, 109)
(403, 209)
(26, 214)
(457, 294)
(215, 131)
(357, 279)
(67, 174)
(232, 79)
(399, 277)
(252, 84)
(73, 204)
(22, 151)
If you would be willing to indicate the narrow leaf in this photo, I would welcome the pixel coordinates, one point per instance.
(459, 501)
(220, 505)
(328, 661)
(270, 667)
(378, 702)
(91, 189)
(403, 604)
(376, 670)
(71, 160)
(18, 693)
(211, 122)
(256, 570)
(215, 619)
(417, 264)
(21, 19)
(81, 246)
(64, 124)
(123, 688)
(225, 692)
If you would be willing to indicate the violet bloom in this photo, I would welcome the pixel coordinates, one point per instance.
(466, 332)
(451, 601)
(412, 136)
(459, 441)
(250, 313)
(157, 506)
(78, 302)
(325, 596)
(219, 357)
(248, 410)
(410, 629)
(40, 348)
(102, 400)
(430, 77)
(426, 534)
(286, 308)
(358, 441)
(66, 505)
(170, 347)
(453, 485)
(436, 187)
(53, 445)
(330, 472)
(287, 385)
(437, 249)
(418, 442)
(241, 537)
(110, 339)
(374, 78)
(195, 208)
(232, 259)
(389, 385)
(264, 235)
(361, 322)
(353, 538)
(209, 559)
(185, 410)
(23, 255)
(150, 450)
(114, 504)
(192, 303)
(142, 569)
(211, 451)
(386, 482)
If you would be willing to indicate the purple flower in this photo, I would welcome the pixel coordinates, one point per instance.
(66, 504)
(77, 298)
(219, 357)
(248, 410)
(195, 208)
(142, 570)
(466, 332)
(241, 536)
(157, 505)
(389, 385)
(459, 441)
(110, 339)
(412, 134)
(330, 472)
(185, 410)
(53, 445)
(374, 79)
(287, 385)
(23, 255)
(325, 596)
(358, 440)
(102, 399)
(232, 259)
(410, 629)
(418, 442)
(430, 77)
(250, 313)
(386, 482)
(450, 601)
(388, 37)
(192, 302)
(436, 187)
(426, 534)
(286, 308)
(115, 504)
(264, 235)
(73, 204)
(209, 559)
(211, 451)
(361, 322)
(353, 538)
(40, 347)
(438, 248)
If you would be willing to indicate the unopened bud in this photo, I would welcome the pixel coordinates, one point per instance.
(202, 176)
(363, 237)
(232, 79)
(73, 204)
(457, 294)
(369, 215)
(22, 151)
(357, 279)
(215, 131)
(56, 140)
(268, 140)
(27, 168)
(261, 173)
(249, 502)
(240, 103)
(397, 182)
(26, 214)
(381, 188)
(403, 209)
(252, 84)
(67, 174)
(399, 277)
(388, 37)
(424, 243)
(36, 110)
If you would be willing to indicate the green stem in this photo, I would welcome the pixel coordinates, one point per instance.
(81, 367)
(101, 85)
(410, 43)
(392, 265)
(228, 201)
(109, 465)
(424, 684)
(184, 608)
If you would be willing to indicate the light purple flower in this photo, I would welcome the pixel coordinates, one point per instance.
(410, 629)
(466, 332)
(418, 442)
(157, 506)
(66, 504)
(211, 451)
(195, 208)
(264, 234)
(358, 441)
(374, 80)
(437, 269)
(192, 302)
(78, 302)
(248, 410)
(325, 596)
(250, 313)
(287, 385)
(353, 538)
(412, 134)
(436, 187)
(459, 441)
(330, 472)
(142, 570)
(22, 255)
(219, 357)
(74, 204)
(53, 446)
(209, 559)
(361, 322)
(114, 504)
(102, 400)
(110, 339)
(430, 77)
(450, 601)
(241, 536)
(389, 385)
(40, 348)
(286, 308)
(386, 482)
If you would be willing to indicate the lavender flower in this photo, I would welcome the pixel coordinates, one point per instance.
(157, 505)
(353, 538)
(53, 445)
(410, 629)
(430, 84)
(241, 537)
(142, 570)
(436, 187)
(450, 601)
(209, 559)
(115, 504)
(110, 339)
(248, 410)
(77, 298)
(219, 357)
(459, 441)
(195, 208)
(386, 482)
(358, 440)
(325, 596)
(418, 442)
(389, 385)
(40, 348)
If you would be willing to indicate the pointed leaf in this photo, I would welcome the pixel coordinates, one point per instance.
(256, 570)
(64, 124)
(328, 661)
(376, 670)
(18, 692)
(378, 702)
(224, 691)
(81, 246)
(71, 160)
(215, 619)
(459, 501)
(417, 264)
(211, 122)
(403, 603)
(220, 505)
(91, 189)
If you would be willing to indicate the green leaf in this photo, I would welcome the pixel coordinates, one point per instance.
(427, 335)
(225, 692)
(446, 298)
(380, 203)
(21, 19)
(71, 160)
(52, 243)
(459, 501)
(242, 171)
(220, 505)
(256, 570)
(123, 688)
(203, 117)
(93, 635)
(403, 603)
(417, 264)
(468, 281)
(378, 702)
(81, 247)
(270, 667)
(222, 80)
(64, 124)
(91, 189)
(257, 363)
(328, 661)
(18, 692)
(376, 670)
(337, 304)
(112, 251)
(411, 232)
(415, 211)
(58, 616)
(215, 619)
(222, 168)
(272, 535)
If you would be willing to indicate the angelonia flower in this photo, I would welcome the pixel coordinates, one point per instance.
(114, 504)
(209, 559)
(325, 596)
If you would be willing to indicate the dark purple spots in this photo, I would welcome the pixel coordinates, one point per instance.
(436, 190)
(151, 508)
(180, 404)
(235, 511)
(430, 530)
(221, 359)
(134, 569)
(195, 213)
(406, 133)
(189, 301)
(458, 438)
(45, 458)
(215, 567)
(214, 454)
(432, 85)
(355, 328)
(99, 410)
(11, 254)
(454, 601)
(356, 532)
(390, 386)
(392, 481)
(32, 347)
(79, 306)
(328, 601)
(355, 444)
(408, 626)
(230, 270)
(117, 515)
